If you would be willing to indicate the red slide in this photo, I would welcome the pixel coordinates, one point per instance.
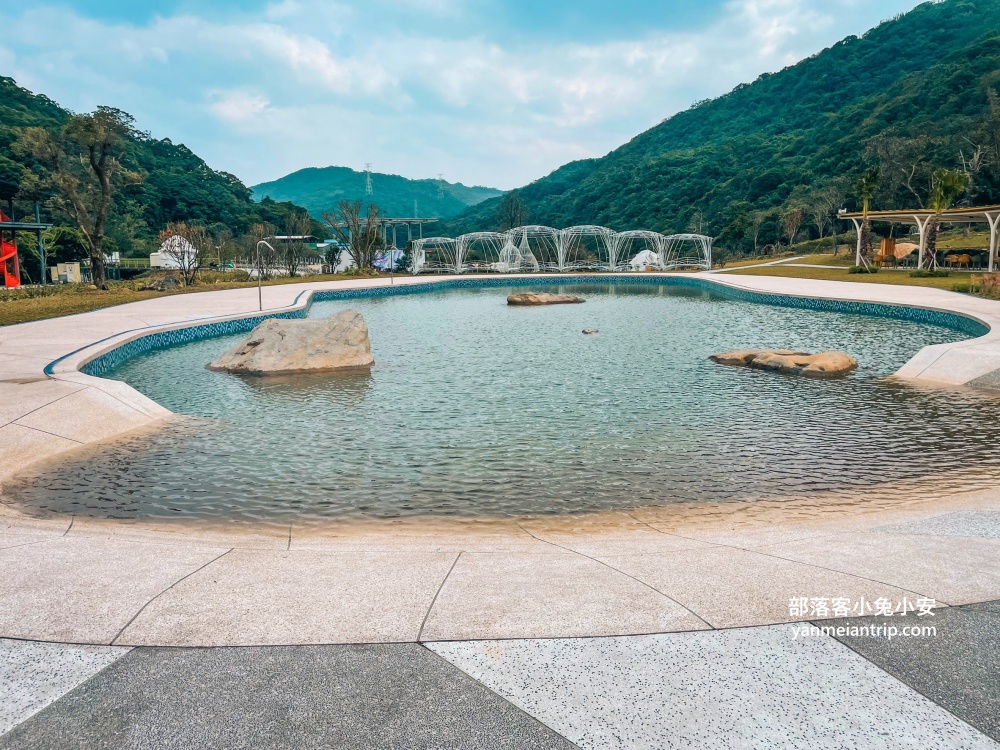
(10, 271)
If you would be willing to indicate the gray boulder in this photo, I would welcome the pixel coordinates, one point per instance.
(279, 346)
(165, 283)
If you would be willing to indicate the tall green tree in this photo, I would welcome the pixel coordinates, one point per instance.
(947, 186)
(865, 188)
(84, 161)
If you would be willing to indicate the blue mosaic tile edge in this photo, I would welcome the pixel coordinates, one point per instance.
(110, 360)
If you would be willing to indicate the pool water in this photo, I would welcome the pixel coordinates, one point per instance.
(475, 408)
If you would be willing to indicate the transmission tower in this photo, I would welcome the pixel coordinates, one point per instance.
(416, 213)
(368, 179)
(440, 186)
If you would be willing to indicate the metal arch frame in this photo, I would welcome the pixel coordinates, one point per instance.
(540, 244)
(419, 254)
(534, 247)
(625, 240)
(570, 243)
(671, 258)
(491, 244)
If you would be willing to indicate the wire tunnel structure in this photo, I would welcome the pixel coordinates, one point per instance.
(534, 248)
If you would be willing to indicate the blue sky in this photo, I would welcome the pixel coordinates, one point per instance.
(495, 92)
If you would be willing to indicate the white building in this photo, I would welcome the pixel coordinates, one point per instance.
(172, 252)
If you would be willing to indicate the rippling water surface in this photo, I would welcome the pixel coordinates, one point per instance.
(475, 408)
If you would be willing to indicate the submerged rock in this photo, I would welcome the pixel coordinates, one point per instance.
(279, 346)
(542, 298)
(590, 331)
(823, 365)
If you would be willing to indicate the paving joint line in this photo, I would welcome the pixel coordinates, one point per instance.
(168, 588)
(46, 432)
(502, 697)
(898, 679)
(758, 551)
(437, 593)
(622, 572)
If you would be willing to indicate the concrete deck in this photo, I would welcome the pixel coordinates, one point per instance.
(765, 687)
(86, 581)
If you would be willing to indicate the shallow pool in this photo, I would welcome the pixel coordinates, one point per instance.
(475, 408)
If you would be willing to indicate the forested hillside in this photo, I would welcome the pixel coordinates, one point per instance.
(171, 184)
(916, 93)
(320, 189)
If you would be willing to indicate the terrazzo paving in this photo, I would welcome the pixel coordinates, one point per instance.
(33, 675)
(764, 687)
(753, 687)
(958, 667)
(985, 524)
(371, 697)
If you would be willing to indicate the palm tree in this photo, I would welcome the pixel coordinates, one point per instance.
(866, 187)
(947, 186)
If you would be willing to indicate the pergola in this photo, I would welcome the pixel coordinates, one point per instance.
(922, 217)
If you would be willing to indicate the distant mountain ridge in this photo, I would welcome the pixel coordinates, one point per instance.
(927, 81)
(319, 189)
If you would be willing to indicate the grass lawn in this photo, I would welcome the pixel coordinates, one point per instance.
(901, 278)
(827, 259)
(17, 307)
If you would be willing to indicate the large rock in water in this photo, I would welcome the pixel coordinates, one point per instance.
(824, 365)
(531, 299)
(280, 346)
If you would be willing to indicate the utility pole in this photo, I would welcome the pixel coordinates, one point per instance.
(41, 243)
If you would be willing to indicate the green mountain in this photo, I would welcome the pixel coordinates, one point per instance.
(176, 185)
(320, 189)
(911, 95)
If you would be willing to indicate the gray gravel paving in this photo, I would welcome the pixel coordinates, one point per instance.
(958, 667)
(344, 697)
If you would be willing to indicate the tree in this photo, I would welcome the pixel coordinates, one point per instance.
(756, 225)
(65, 245)
(511, 211)
(226, 246)
(865, 188)
(359, 231)
(821, 206)
(297, 225)
(791, 224)
(947, 186)
(263, 258)
(11, 174)
(187, 246)
(331, 255)
(84, 163)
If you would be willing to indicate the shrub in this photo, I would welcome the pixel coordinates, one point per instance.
(863, 269)
(923, 273)
(986, 285)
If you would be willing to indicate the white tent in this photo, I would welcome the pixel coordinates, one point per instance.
(644, 259)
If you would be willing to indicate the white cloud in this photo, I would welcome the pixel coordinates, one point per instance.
(417, 86)
(237, 106)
